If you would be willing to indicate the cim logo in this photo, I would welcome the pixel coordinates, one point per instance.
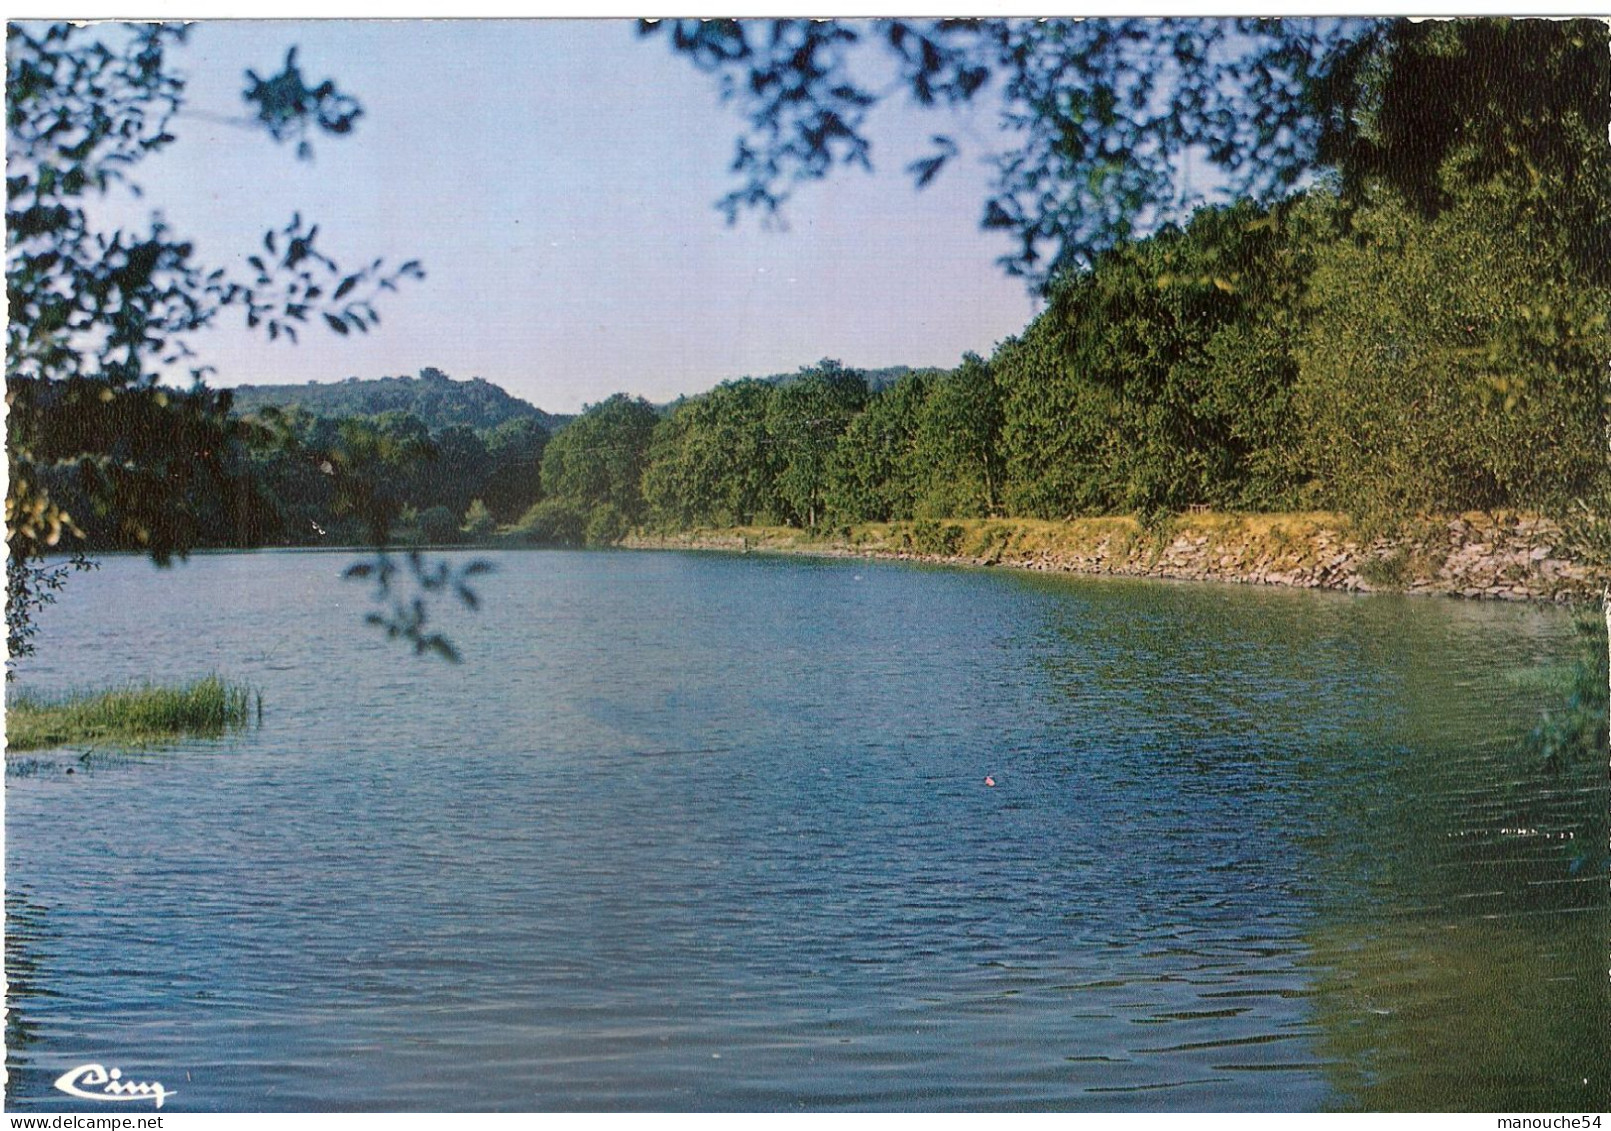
(110, 1085)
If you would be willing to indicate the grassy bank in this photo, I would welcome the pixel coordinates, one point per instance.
(140, 714)
(1498, 556)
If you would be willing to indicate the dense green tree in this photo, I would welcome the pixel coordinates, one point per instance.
(554, 522)
(805, 419)
(400, 427)
(374, 463)
(459, 471)
(1060, 441)
(874, 473)
(169, 471)
(1105, 112)
(515, 463)
(599, 457)
(1439, 107)
(1449, 369)
(299, 482)
(317, 462)
(958, 450)
(1163, 377)
(712, 461)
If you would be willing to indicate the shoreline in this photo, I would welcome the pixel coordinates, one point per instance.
(1472, 556)
(1478, 556)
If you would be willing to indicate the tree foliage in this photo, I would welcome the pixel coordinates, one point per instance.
(805, 419)
(598, 461)
(1441, 286)
(1105, 114)
(712, 461)
(1102, 112)
(872, 473)
(1519, 106)
(1352, 355)
(514, 472)
(1449, 367)
(1163, 377)
(100, 319)
(957, 452)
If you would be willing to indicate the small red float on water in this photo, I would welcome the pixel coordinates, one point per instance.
(990, 781)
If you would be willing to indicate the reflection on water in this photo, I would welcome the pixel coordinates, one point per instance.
(1458, 935)
(1468, 972)
(699, 832)
(26, 931)
(1472, 1015)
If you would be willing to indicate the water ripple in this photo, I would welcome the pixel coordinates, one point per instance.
(698, 833)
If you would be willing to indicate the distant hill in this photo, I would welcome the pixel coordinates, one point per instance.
(433, 396)
(441, 402)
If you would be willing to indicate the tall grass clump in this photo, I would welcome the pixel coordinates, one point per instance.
(1390, 571)
(136, 714)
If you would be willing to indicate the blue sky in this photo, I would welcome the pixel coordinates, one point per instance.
(557, 179)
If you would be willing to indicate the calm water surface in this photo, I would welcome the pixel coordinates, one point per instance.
(708, 832)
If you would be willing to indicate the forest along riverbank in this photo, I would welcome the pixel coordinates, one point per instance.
(1475, 555)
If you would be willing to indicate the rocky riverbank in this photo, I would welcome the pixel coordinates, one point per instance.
(1480, 556)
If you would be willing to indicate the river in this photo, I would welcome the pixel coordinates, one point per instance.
(710, 832)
